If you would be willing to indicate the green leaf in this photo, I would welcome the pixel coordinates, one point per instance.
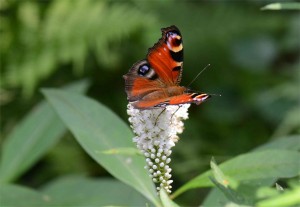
(14, 195)
(165, 199)
(217, 198)
(219, 175)
(252, 166)
(288, 198)
(32, 138)
(285, 143)
(282, 6)
(227, 185)
(239, 194)
(73, 191)
(98, 129)
(230, 193)
(231, 204)
(80, 191)
(124, 151)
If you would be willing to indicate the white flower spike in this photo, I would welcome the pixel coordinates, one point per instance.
(156, 133)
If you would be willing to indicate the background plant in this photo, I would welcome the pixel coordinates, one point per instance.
(255, 66)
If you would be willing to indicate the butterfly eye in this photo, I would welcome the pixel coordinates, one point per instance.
(143, 69)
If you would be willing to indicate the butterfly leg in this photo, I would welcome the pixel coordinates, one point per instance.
(175, 112)
(162, 111)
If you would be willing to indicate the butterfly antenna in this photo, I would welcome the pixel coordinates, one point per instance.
(198, 75)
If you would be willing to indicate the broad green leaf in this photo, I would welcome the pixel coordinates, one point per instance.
(288, 198)
(165, 199)
(14, 195)
(231, 194)
(73, 191)
(219, 175)
(32, 138)
(285, 143)
(231, 204)
(227, 185)
(98, 129)
(241, 194)
(282, 6)
(81, 192)
(124, 151)
(217, 198)
(252, 166)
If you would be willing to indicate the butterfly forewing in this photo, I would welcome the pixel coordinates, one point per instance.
(166, 56)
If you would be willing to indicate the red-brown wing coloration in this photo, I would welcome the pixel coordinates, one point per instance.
(173, 100)
(189, 98)
(154, 82)
(166, 56)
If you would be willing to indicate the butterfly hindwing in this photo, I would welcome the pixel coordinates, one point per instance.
(141, 80)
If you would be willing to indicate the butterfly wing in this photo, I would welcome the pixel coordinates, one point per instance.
(166, 56)
(154, 82)
(148, 80)
(141, 80)
(184, 98)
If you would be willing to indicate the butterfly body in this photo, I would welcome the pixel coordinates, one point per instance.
(154, 81)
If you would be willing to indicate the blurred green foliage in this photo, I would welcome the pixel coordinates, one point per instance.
(254, 57)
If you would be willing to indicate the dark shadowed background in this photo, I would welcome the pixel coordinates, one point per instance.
(254, 57)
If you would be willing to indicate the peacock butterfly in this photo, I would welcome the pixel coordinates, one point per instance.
(154, 81)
